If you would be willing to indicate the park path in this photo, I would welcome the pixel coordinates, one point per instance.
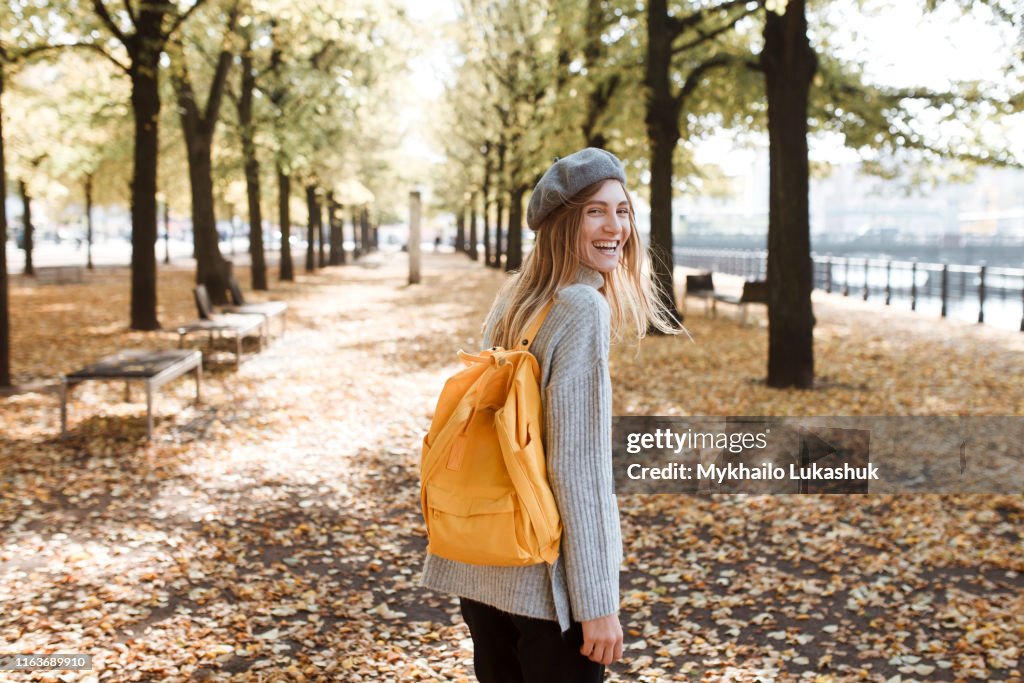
(273, 532)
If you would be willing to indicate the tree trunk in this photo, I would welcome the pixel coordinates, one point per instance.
(514, 258)
(258, 271)
(284, 189)
(789, 64)
(473, 254)
(322, 256)
(198, 126)
(488, 240)
(357, 249)
(5, 321)
(487, 205)
(499, 226)
(337, 254)
(500, 222)
(212, 270)
(146, 111)
(365, 228)
(460, 229)
(662, 119)
(312, 228)
(88, 221)
(603, 85)
(27, 229)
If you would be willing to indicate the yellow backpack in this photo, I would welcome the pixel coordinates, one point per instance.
(483, 479)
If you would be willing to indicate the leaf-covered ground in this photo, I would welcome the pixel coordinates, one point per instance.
(272, 533)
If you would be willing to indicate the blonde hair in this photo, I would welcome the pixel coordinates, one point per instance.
(553, 263)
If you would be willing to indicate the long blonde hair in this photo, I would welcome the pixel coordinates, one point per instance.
(553, 263)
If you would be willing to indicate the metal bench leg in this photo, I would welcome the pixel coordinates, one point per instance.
(127, 392)
(238, 351)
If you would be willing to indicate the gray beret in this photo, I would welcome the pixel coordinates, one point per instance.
(567, 176)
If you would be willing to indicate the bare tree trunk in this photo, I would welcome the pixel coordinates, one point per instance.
(284, 189)
(337, 254)
(364, 226)
(258, 271)
(5, 321)
(789, 64)
(88, 221)
(145, 70)
(212, 269)
(473, 238)
(322, 256)
(499, 225)
(313, 227)
(500, 222)
(662, 120)
(357, 248)
(460, 229)
(27, 229)
(514, 258)
(198, 125)
(487, 204)
(603, 85)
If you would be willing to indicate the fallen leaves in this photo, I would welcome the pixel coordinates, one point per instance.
(273, 532)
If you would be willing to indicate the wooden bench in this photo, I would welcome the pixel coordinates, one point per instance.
(152, 368)
(754, 292)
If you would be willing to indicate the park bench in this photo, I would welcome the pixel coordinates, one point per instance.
(59, 275)
(754, 292)
(700, 286)
(234, 326)
(152, 368)
(268, 309)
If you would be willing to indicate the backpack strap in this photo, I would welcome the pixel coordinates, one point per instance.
(531, 331)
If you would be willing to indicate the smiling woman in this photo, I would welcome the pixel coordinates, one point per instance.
(559, 622)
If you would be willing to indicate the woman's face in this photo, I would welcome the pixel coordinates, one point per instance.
(605, 227)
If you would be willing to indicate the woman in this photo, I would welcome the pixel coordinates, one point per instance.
(559, 623)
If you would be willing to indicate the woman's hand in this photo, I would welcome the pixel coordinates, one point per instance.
(602, 639)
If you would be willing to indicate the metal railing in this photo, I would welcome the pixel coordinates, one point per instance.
(974, 292)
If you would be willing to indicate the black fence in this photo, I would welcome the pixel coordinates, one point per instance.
(985, 294)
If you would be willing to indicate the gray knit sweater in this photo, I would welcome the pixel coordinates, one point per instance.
(583, 584)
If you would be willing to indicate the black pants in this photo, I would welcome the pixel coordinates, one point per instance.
(508, 648)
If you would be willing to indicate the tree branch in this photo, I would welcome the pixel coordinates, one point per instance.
(182, 84)
(220, 76)
(108, 21)
(28, 53)
(182, 18)
(694, 77)
(705, 37)
(131, 12)
(698, 17)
